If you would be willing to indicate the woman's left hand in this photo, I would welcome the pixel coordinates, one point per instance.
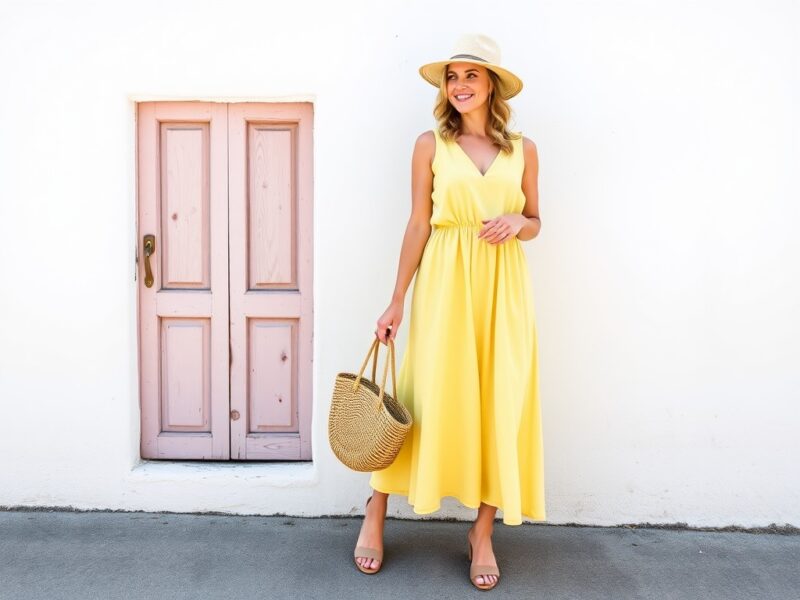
(502, 228)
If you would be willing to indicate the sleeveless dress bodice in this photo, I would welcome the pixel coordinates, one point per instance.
(462, 196)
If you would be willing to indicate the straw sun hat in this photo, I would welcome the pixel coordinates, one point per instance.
(481, 50)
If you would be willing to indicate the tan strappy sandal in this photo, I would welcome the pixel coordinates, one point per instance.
(364, 552)
(475, 570)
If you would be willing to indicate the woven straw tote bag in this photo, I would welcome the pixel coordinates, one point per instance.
(367, 426)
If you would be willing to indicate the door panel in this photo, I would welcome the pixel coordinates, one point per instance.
(272, 375)
(271, 208)
(185, 375)
(185, 217)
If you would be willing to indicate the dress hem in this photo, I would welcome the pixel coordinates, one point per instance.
(427, 511)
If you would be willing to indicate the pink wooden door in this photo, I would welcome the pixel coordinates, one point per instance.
(225, 324)
(270, 279)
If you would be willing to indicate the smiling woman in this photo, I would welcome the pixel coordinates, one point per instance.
(469, 373)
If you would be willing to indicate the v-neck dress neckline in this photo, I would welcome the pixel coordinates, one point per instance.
(472, 162)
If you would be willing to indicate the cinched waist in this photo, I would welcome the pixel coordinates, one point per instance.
(457, 225)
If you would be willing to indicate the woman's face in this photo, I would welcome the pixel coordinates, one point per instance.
(468, 85)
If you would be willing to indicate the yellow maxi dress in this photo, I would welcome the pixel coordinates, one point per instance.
(469, 374)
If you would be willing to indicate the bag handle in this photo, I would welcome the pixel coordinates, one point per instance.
(375, 365)
(390, 358)
(364, 364)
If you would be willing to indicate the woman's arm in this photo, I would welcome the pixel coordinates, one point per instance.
(417, 232)
(418, 229)
(530, 187)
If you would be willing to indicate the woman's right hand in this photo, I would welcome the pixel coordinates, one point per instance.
(390, 320)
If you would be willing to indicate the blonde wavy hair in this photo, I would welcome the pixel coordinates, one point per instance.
(449, 119)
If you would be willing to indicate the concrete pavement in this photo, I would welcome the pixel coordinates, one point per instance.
(110, 555)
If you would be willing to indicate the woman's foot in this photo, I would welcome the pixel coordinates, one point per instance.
(480, 538)
(371, 534)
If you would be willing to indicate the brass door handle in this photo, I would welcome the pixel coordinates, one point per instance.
(149, 250)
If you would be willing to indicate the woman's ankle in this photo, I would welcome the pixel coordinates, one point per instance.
(377, 508)
(481, 529)
(379, 496)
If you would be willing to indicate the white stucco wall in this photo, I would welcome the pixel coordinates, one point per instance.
(665, 275)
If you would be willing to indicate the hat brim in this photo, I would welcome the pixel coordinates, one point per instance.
(510, 84)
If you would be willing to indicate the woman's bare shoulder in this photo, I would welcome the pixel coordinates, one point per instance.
(528, 145)
(530, 152)
(426, 139)
(425, 145)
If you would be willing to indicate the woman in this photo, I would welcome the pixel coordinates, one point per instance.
(469, 374)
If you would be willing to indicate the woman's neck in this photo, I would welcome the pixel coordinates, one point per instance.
(474, 122)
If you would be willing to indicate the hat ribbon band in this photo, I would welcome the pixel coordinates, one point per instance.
(469, 56)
